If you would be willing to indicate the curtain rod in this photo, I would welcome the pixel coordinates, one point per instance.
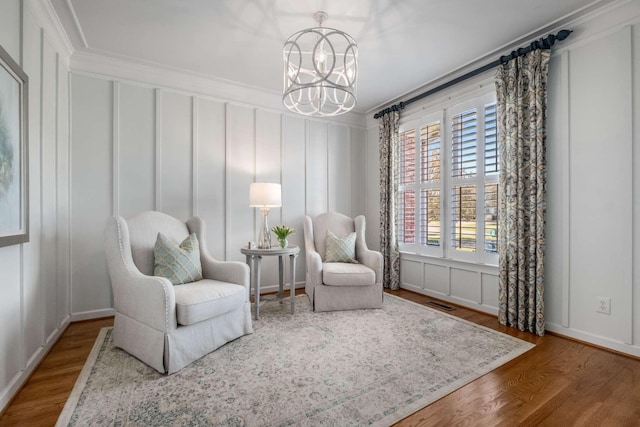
(543, 43)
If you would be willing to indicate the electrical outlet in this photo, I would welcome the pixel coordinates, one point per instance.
(604, 305)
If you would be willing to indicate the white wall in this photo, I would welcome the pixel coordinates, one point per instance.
(137, 146)
(34, 307)
(593, 153)
(594, 194)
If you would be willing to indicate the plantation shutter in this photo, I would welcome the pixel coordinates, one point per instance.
(406, 195)
(490, 140)
(464, 144)
(463, 217)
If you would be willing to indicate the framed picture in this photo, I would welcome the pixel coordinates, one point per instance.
(14, 174)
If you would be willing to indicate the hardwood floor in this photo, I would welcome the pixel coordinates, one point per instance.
(41, 400)
(558, 383)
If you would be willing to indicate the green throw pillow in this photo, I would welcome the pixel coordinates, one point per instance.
(340, 249)
(178, 263)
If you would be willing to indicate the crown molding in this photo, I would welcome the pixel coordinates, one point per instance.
(92, 61)
(46, 17)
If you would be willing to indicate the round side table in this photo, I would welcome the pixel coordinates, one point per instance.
(254, 257)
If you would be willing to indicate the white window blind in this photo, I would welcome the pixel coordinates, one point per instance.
(406, 192)
(464, 144)
(463, 217)
(430, 217)
(491, 218)
(407, 172)
(430, 152)
(406, 219)
(448, 183)
(490, 139)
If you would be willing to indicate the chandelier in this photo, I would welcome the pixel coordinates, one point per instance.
(320, 70)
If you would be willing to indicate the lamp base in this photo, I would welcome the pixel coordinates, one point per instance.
(264, 236)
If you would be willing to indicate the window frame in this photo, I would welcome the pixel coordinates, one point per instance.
(416, 126)
(444, 115)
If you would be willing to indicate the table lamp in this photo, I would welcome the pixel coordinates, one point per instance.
(265, 195)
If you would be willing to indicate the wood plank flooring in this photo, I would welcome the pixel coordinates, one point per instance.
(558, 383)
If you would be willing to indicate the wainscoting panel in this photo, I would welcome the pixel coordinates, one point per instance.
(436, 278)
(268, 169)
(10, 28)
(91, 191)
(601, 185)
(489, 290)
(268, 155)
(317, 168)
(411, 273)
(293, 184)
(33, 291)
(635, 291)
(210, 172)
(240, 175)
(339, 159)
(556, 297)
(136, 149)
(10, 345)
(458, 282)
(176, 175)
(62, 193)
(48, 186)
(466, 285)
(373, 187)
(357, 139)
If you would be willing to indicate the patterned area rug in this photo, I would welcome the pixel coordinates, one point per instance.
(362, 367)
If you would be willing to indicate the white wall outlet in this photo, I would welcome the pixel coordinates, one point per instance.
(604, 305)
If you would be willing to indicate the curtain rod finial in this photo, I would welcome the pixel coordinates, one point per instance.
(563, 34)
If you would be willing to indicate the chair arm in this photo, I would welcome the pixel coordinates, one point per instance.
(225, 271)
(314, 266)
(147, 299)
(312, 258)
(373, 260)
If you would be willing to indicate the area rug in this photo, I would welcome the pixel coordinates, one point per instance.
(361, 367)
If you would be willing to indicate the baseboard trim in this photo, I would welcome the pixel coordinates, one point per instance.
(93, 314)
(21, 378)
(593, 340)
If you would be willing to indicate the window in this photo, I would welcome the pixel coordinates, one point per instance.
(430, 217)
(448, 183)
(406, 193)
(420, 186)
(463, 217)
(429, 211)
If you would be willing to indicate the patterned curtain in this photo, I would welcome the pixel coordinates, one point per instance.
(388, 135)
(521, 87)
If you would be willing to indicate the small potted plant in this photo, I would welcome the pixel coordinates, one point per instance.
(281, 232)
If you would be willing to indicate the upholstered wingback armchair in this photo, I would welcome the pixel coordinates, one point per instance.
(338, 285)
(167, 326)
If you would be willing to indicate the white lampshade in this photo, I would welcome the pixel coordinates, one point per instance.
(265, 195)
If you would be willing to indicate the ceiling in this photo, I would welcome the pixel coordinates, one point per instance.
(403, 44)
